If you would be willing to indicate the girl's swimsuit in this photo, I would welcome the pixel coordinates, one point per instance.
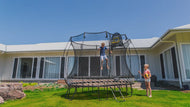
(147, 72)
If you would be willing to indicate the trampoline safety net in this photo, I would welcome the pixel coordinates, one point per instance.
(87, 70)
(87, 63)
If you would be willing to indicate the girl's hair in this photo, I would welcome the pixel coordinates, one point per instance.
(146, 65)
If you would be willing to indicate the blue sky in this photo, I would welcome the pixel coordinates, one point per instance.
(41, 21)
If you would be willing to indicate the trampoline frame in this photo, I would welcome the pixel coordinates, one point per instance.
(99, 83)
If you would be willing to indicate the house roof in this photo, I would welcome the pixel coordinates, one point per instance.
(187, 26)
(59, 46)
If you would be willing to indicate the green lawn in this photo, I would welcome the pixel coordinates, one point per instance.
(55, 98)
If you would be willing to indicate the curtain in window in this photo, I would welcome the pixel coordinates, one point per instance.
(186, 57)
(25, 68)
(133, 64)
(52, 67)
(168, 64)
(72, 67)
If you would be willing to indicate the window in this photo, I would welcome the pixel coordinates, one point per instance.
(52, 67)
(34, 68)
(162, 65)
(186, 59)
(41, 67)
(174, 62)
(15, 68)
(62, 67)
(169, 64)
(133, 64)
(94, 66)
(72, 67)
(142, 60)
(117, 65)
(83, 66)
(25, 68)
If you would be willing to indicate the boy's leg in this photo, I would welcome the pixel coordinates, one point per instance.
(107, 62)
(102, 60)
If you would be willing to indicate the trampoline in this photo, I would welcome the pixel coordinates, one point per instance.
(86, 72)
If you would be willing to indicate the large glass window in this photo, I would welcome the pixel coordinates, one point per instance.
(25, 68)
(15, 68)
(52, 67)
(34, 68)
(168, 64)
(162, 66)
(41, 67)
(133, 62)
(62, 67)
(94, 66)
(83, 66)
(72, 66)
(117, 65)
(186, 59)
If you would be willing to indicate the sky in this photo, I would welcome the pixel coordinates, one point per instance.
(44, 21)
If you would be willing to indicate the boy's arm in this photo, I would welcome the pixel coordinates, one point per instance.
(109, 50)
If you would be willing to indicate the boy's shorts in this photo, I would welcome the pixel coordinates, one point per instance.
(102, 57)
(147, 80)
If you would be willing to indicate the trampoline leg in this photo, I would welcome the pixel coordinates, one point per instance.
(107, 92)
(121, 93)
(131, 89)
(126, 89)
(67, 93)
(98, 93)
(74, 93)
(113, 93)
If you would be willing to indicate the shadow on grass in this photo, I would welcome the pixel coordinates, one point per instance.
(91, 95)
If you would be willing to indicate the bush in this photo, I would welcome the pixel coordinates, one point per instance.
(28, 84)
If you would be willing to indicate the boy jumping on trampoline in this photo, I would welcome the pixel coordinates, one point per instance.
(103, 55)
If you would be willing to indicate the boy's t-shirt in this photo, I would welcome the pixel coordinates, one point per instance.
(102, 51)
(146, 72)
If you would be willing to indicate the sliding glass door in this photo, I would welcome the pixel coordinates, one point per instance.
(45, 68)
(186, 59)
(168, 62)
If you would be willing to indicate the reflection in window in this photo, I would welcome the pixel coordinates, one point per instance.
(25, 67)
(52, 67)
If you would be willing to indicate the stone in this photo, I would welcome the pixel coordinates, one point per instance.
(4, 92)
(11, 91)
(15, 94)
(1, 100)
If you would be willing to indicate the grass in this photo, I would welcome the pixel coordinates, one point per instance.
(55, 98)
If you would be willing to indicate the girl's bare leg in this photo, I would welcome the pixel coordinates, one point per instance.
(146, 84)
(150, 90)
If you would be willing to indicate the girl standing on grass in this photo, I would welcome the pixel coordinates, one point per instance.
(147, 78)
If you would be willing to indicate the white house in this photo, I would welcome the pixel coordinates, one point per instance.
(168, 57)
